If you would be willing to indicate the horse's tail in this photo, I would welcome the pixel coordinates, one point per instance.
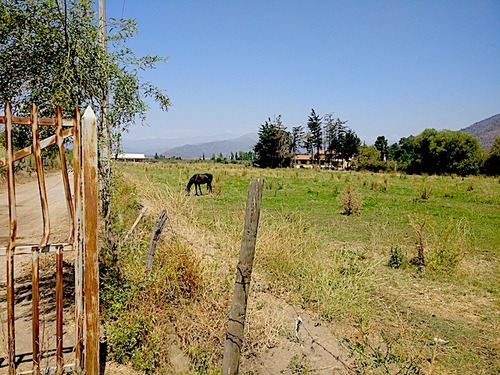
(209, 182)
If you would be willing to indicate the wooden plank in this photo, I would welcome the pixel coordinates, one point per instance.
(18, 155)
(59, 312)
(77, 241)
(37, 154)
(131, 230)
(91, 265)
(43, 121)
(11, 191)
(64, 171)
(236, 324)
(35, 310)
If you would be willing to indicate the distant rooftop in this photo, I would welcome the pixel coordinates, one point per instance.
(131, 156)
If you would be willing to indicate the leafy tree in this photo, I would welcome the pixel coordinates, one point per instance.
(307, 143)
(381, 145)
(446, 151)
(273, 147)
(368, 158)
(285, 143)
(316, 133)
(297, 137)
(403, 152)
(50, 55)
(349, 145)
(334, 129)
(492, 163)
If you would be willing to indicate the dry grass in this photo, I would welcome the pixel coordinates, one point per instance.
(334, 266)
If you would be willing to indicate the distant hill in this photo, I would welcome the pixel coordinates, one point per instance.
(485, 131)
(195, 151)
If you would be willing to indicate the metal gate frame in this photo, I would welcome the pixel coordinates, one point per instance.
(82, 212)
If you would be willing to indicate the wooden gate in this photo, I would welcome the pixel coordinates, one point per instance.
(82, 239)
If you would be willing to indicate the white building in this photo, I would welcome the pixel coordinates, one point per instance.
(131, 157)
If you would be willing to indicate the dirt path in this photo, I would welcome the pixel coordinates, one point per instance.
(30, 232)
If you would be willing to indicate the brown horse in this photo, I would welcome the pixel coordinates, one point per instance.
(199, 179)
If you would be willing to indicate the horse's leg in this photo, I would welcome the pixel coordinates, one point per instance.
(209, 187)
(196, 188)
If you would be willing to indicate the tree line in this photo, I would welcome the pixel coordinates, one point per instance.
(432, 151)
(277, 146)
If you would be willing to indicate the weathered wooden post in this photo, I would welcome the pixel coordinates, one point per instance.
(236, 324)
(91, 267)
(11, 189)
(155, 236)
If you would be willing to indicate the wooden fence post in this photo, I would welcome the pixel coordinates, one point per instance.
(155, 236)
(91, 259)
(236, 324)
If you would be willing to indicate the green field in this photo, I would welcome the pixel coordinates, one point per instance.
(336, 266)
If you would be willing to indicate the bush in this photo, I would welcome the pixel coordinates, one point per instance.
(351, 200)
(449, 246)
(425, 191)
(396, 258)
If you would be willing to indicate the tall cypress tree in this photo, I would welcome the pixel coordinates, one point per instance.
(314, 125)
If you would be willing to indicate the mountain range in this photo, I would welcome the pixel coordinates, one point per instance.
(194, 151)
(485, 131)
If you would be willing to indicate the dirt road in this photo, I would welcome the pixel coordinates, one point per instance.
(30, 232)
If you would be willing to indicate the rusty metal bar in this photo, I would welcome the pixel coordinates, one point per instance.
(64, 171)
(35, 310)
(91, 266)
(28, 249)
(18, 155)
(37, 154)
(43, 121)
(11, 189)
(59, 312)
(77, 240)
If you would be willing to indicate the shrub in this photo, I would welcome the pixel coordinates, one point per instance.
(396, 257)
(448, 193)
(425, 191)
(351, 200)
(449, 246)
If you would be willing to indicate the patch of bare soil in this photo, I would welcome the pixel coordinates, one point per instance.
(310, 349)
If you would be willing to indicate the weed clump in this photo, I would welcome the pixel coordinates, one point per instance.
(439, 250)
(425, 191)
(351, 200)
(396, 258)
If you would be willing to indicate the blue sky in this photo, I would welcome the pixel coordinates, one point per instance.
(390, 68)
